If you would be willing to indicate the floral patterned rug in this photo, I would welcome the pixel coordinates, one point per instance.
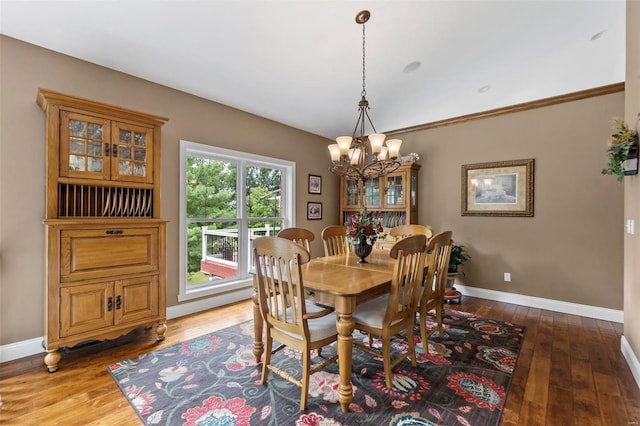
(214, 380)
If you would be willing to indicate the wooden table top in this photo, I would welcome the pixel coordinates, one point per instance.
(342, 275)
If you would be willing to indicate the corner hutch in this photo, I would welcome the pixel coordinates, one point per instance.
(104, 238)
(393, 196)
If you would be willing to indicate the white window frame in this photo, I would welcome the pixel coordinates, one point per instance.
(243, 159)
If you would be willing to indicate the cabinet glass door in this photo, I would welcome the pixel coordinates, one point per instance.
(372, 193)
(352, 194)
(132, 153)
(84, 146)
(394, 194)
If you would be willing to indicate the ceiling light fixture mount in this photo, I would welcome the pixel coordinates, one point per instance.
(361, 156)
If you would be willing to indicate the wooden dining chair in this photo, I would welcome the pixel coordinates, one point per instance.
(403, 231)
(438, 255)
(300, 236)
(334, 239)
(289, 319)
(388, 315)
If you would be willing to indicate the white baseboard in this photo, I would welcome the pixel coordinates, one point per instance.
(632, 359)
(34, 346)
(21, 349)
(548, 304)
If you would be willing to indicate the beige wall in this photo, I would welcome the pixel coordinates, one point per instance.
(571, 250)
(25, 68)
(632, 185)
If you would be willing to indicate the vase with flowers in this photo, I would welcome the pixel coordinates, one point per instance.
(363, 230)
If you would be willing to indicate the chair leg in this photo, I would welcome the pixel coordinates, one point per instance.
(386, 358)
(306, 364)
(412, 345)
(267, 358)
(423, 330)
(439, 310)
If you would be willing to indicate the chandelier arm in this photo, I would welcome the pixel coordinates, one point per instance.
(359, 123)
(370, 122)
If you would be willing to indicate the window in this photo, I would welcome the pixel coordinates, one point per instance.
(227, 199)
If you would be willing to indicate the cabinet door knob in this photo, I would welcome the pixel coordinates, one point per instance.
(106, 149)
(114, 231)
(110, 304)
(114, 150)
(118, 302)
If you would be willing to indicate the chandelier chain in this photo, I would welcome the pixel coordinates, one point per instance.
(364, 91)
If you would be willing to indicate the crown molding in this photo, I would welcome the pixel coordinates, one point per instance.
(568, 97)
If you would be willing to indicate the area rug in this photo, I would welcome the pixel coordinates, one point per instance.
(463, 379)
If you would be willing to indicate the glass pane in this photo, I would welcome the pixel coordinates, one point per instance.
(124, 152)
(95, 148)
(394, 190)
(140, 139)
(76, 146)
(76, 162)
(76, 128)
(212, 252)
(140, 154)
(352, 193)
(372, 192)
(124, 168)
(263, 192)
(95, 164)
(125, 137)
(413, 190)
(95, 131)
(139, 170)
(211, 188)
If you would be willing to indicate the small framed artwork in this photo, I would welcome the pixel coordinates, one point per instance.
(314, 211)
(315, 184)
(503, 188)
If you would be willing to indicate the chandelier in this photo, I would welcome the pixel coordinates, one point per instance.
(361, 156)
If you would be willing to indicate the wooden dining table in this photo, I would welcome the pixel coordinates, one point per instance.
(340, 282)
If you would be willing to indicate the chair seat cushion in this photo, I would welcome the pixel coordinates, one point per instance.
(372, 312)
(319, 328)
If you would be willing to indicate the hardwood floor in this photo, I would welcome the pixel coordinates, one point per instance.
(570, 372)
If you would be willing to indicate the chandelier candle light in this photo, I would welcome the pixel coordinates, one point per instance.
(360, 156)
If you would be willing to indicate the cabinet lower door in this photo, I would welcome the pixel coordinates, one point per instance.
(86, 308)
(136, 299)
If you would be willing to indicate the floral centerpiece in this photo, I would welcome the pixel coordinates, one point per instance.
(365, 227)
(623, 142)
(363, 230)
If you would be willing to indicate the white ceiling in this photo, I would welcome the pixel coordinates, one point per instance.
(300, 62)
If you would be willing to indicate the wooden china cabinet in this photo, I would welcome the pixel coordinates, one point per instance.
(394, 196)
(105, 240)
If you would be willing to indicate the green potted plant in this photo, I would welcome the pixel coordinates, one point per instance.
(623, 143)
(457, 259)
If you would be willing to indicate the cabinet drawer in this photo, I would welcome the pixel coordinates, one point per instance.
(105, 252)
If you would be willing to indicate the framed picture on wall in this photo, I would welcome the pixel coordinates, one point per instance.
(315, 184)
(503, 188)
(314, 211)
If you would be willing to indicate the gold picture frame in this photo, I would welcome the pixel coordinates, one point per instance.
(502, 188)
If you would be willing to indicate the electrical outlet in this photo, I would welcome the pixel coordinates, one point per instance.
(507, 277)
(630, 226)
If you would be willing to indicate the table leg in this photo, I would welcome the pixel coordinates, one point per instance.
(258, 346)
(345, 326)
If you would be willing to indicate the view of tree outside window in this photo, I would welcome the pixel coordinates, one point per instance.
(230, 198)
